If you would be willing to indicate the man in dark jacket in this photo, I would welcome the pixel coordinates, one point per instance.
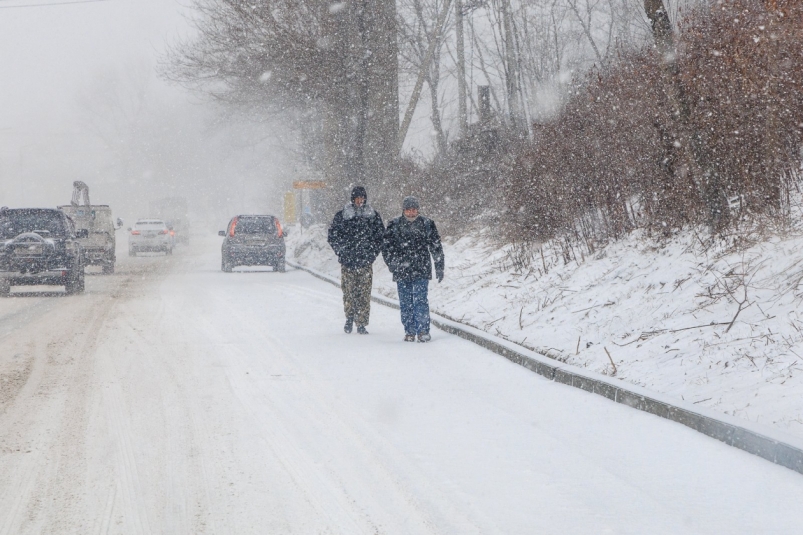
(356, 237)
(409, 242)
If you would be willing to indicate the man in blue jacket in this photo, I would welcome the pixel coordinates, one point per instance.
(409, 242)
(356, 236)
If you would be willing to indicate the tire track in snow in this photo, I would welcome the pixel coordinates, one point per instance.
(126, 474)
(55, 365)
(191, 484)
(70, 446)
(159, 482)
(131, 484)
(48, 416)
(19, 482)
(104, 522)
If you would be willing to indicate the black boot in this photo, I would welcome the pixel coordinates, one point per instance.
(349, 325)
(361, 329)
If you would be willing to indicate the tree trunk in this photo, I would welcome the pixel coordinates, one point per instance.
(684, 162)
(661, 25)
(462, 112)
(771, 186)
(433, 80)
(381, 53)
(361, 120)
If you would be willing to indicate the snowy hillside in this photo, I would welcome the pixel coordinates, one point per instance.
(705, 323)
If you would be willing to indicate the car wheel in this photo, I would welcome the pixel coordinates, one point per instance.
(280, 267)
(75, 280)
(70, 286)
(169, 250)
(132, 252)
(225, 266)
(108, 269)
(5, 288)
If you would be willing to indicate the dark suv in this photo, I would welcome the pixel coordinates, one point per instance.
(253, 240)
(39, 246)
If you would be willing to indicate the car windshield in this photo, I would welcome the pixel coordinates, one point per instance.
(149, 225)
(44, 222)
(255, 225)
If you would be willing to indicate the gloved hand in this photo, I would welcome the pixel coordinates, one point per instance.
(439, 275)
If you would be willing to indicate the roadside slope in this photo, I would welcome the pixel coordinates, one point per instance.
(669, 315)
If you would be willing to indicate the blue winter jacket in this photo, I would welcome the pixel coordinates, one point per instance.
(407, 248)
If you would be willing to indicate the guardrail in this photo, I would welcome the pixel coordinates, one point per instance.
(766, 443)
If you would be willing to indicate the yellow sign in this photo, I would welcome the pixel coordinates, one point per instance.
(309, 184)
(290, 207)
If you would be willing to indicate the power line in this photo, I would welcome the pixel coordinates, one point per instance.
(54, 4)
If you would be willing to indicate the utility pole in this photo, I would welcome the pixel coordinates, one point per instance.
(379, 56)
(461, 68)
(512, 70)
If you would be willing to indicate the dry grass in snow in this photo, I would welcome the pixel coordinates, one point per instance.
(700, 320)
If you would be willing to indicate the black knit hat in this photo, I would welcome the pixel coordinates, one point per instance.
(410, 202)
(358, 191)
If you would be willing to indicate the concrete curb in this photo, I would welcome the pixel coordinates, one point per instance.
(767, 443)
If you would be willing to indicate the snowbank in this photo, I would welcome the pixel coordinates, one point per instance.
(701, 323)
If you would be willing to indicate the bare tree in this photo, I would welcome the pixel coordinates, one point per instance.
(338, 60)
(423, 42)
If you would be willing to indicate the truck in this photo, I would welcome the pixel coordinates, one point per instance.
(174, 212)
(98, 243)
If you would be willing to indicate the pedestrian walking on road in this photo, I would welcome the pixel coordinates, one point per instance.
(410, 241)
(356, 236)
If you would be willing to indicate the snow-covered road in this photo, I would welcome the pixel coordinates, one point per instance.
(174, 398)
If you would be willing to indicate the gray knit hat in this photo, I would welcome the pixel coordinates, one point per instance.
(410, 202)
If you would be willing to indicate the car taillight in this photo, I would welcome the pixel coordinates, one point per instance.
(165, 231)
(172, 233)
(135, 233)
(279, 230)
(233, 226)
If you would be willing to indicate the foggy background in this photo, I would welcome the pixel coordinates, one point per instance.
(80, 99)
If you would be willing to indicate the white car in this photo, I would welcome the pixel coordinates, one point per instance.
(150, 235)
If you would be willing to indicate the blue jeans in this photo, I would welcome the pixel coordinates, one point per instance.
(414, 305)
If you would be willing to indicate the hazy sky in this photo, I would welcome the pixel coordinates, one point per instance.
(48, 53)
(65, 69)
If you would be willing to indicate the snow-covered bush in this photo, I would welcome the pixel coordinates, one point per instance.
(662, 140)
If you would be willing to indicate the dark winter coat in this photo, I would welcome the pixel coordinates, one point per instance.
(356, 235)
(407, 247)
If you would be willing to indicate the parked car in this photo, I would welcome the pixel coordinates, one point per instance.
(175, 212)
(151, 235)
(99, 246)
(253, 240)
(40, 246)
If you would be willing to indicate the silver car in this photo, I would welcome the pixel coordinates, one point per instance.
(150, 235)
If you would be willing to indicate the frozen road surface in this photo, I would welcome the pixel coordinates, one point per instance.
(173, 398)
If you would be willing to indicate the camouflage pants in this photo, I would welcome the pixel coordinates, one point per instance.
(356, 284)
